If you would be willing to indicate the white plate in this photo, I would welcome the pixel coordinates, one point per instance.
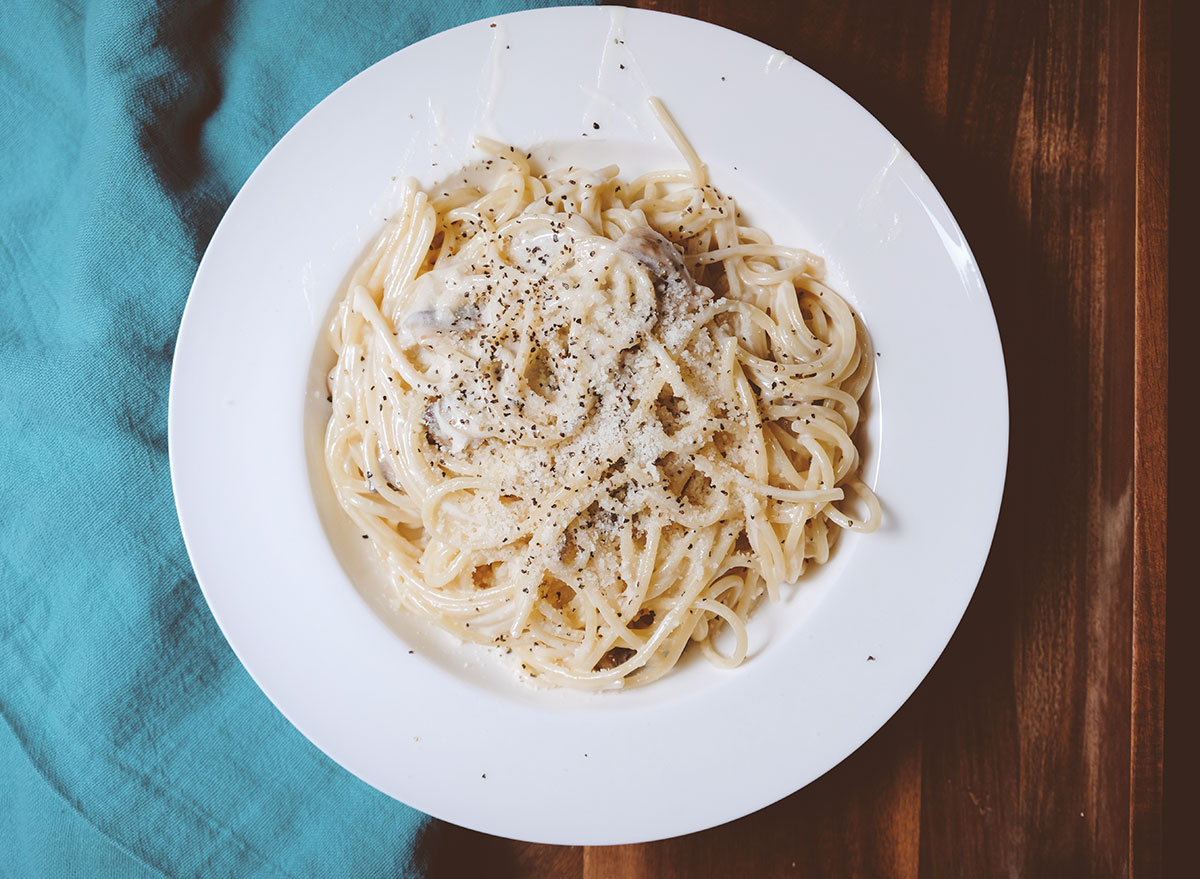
(441, 727)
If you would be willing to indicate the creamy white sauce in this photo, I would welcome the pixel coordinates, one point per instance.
(491, 81)
(776, 61)
(617, 68)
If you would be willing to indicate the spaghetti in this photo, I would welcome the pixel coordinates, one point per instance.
(591, 421)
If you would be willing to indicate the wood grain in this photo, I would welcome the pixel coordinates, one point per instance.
(1035, 746)
(1181, 758)
(1150, 436)
(446, 850)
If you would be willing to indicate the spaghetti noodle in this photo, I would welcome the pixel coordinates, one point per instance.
(591, 421)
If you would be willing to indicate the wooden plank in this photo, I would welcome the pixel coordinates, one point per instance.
(1033, 728)
(446, 850)
(1150, 437)
(1181, 758)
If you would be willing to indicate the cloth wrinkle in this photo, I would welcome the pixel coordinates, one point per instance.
(64, 795)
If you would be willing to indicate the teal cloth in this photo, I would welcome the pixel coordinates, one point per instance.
(132, 742)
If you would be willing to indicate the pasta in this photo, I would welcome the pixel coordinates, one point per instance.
(590, 421)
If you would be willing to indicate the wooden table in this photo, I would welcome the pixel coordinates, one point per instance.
(1035, 746)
